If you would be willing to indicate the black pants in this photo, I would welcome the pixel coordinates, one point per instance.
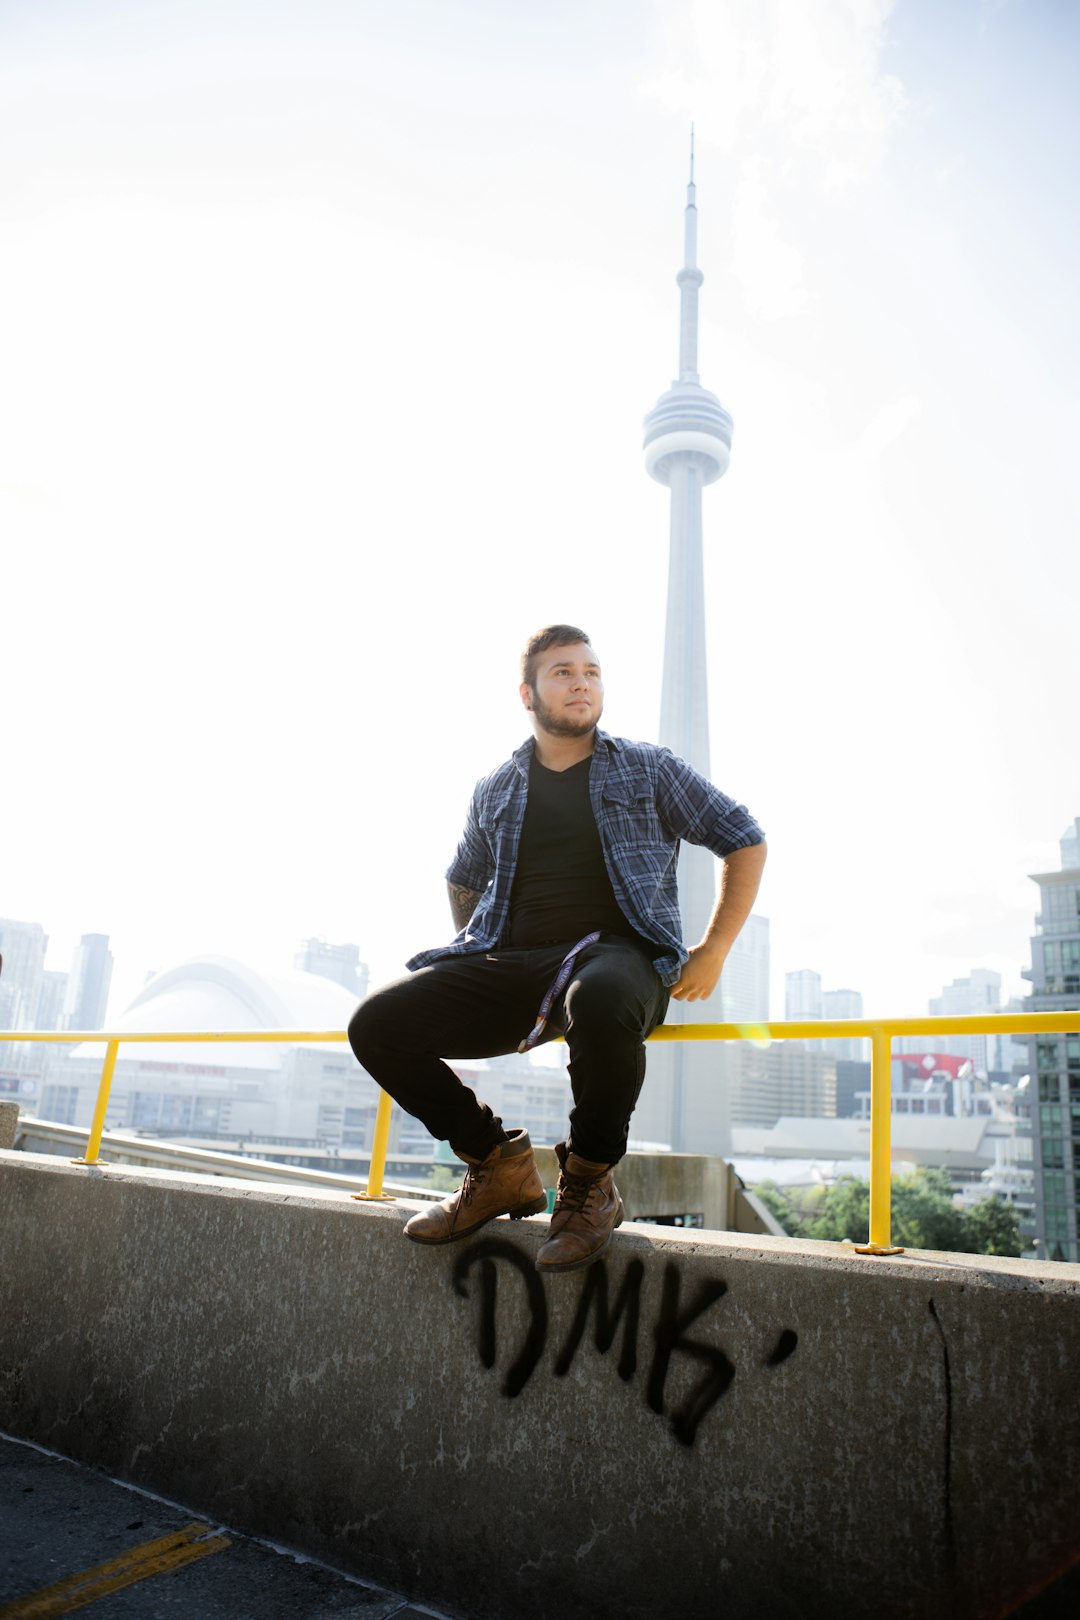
(483, 1006)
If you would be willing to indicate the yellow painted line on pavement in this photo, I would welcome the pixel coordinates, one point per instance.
(137, 1564)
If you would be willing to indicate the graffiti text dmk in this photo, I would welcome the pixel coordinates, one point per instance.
(669, 1333)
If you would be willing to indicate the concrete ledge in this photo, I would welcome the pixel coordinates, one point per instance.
(695, 1426)
(9, 1123)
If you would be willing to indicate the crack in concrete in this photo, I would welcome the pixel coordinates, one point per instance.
(950, 1528)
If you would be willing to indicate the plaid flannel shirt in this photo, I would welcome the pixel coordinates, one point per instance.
(645, 800)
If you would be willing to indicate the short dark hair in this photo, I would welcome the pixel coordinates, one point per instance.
(553, 635)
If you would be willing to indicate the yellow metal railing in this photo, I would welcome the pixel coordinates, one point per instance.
(879, 1030)
(287, 1037)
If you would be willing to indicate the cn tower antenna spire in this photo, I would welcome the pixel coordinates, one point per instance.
(689, 279)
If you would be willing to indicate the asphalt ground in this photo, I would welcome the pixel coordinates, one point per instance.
(71, 1538)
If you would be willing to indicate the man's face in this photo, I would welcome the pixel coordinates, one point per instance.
(568, 698)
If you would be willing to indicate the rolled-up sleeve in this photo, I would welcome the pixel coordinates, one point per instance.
(473, 864)
(691, 808)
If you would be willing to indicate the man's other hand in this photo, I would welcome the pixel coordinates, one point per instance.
(700, 975)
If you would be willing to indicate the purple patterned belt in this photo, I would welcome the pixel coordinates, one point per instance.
(556, 988)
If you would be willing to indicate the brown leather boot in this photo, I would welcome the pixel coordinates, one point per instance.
(507, 1182)
(587, 1210)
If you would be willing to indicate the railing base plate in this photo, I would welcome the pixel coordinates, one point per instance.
(873, 1248)
(374, 1198)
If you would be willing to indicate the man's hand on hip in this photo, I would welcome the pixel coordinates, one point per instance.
(740, 876)
(701, 974)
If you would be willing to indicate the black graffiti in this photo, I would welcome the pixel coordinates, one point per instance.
(607, 1322)
(670, 1333)
(784, 1347)
(487, 1252)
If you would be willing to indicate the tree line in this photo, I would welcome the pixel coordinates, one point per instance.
(924, 1214)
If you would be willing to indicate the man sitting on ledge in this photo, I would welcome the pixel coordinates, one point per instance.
(564, 891)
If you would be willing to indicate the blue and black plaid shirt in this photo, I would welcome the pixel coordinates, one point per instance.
(645, 800)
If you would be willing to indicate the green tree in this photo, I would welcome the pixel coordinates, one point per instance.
(843, 1212)
(924, 1214)
(993, 1227)
(778, 1202)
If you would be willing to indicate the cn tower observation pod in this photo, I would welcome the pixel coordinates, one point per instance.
(687, 422)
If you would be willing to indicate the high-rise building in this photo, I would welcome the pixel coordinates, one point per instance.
(802, 995)
(843, 1004)
(50, 1009)
(786, 1079)
(22, 946)
(1009, 1053)
(1055, 1059)
(687, 445)
(805, 999)
(980, 992)
(341, 963)
(802, 1000)
(87, 993)
(744, 986)
(852, 1083)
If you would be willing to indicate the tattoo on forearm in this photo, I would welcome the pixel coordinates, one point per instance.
(462, 903)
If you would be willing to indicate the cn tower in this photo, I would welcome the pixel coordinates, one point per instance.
(688, 445)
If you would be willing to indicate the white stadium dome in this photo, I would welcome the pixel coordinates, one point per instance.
(218, 993)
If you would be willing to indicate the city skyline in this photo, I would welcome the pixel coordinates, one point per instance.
(345, 962)
(335, 330)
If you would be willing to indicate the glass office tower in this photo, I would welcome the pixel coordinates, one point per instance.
(1055, 1059)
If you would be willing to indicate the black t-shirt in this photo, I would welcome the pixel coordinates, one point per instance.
(561, 886)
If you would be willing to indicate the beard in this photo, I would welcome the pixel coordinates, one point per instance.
(563, 725)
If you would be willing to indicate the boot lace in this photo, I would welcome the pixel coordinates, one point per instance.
(573, 1192)
(474, 1180)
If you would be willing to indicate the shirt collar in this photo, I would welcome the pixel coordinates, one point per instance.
(522, 757)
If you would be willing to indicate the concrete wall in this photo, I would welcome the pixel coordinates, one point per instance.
(653, 1185)
(774, 1429)
(658, 1184)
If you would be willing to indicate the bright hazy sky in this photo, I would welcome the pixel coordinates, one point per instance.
(329, 329)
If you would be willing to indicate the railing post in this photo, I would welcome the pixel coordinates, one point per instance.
(93, 1146)
(379, 1145)
(880, 1145)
